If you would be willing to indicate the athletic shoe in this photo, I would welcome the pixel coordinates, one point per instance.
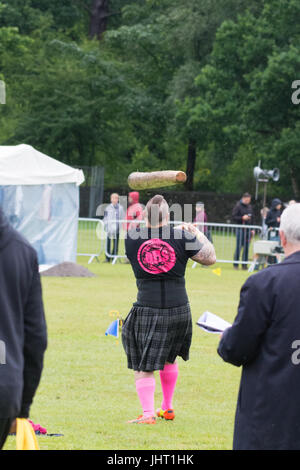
(143, 420)
(166, 414)
(38, 428)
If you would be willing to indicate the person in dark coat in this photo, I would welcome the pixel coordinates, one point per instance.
(242, 214)
(265, 340)
(23, 335)
(274, 214)
(273, 222)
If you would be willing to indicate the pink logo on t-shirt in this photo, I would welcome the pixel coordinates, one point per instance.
(156, 256)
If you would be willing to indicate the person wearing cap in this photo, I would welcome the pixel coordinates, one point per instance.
(242, 214)
(274, 214)
(273, 223)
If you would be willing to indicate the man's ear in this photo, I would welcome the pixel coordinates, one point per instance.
(282, 238)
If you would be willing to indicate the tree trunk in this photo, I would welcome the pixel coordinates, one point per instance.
(295, 185)
(98, 20)
(190, 167)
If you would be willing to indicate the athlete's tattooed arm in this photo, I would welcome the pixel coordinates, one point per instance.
(206, 255)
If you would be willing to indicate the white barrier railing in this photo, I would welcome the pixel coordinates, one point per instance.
(232, 242)
(229, 240)
(91, 238)
(124, 226)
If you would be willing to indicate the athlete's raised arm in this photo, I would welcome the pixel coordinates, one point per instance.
(206, 255)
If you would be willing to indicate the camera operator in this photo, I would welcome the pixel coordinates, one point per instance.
(242, 214)
(273, 216)
(273, 222)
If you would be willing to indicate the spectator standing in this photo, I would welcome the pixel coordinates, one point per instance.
(134, 211)
(265, 340)
(242, 214)
(273, 222)
(23, 335)
(201, 220)
(273, 217)
(113, 216)
(264, 212)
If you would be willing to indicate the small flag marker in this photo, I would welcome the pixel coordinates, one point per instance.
(113, 329)
(114, 313)
(217, 271)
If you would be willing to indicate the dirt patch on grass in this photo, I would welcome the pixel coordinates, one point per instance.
(68, 269)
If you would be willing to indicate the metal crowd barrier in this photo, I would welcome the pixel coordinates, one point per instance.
(124, 227)
(92, 239)
(227, 238)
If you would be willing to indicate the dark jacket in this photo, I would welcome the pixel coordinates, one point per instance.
(22, 323)
(265, 340)
(273, 214)
(239, 210)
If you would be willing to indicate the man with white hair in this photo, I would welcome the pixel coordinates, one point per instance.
(265, 340)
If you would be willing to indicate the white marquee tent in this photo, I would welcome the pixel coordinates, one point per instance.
(40, 197)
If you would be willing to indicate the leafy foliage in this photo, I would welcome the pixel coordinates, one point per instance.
(165, 77)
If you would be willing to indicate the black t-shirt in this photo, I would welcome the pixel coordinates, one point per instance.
(158, 258)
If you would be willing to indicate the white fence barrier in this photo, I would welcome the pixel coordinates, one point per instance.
(91, 238)
(231, 241)
(124, 224)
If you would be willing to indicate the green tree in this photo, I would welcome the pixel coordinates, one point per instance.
(74, 106)
(244, 92)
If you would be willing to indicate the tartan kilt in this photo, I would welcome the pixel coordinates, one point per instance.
(152, 336)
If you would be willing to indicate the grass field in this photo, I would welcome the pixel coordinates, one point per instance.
(87, 393)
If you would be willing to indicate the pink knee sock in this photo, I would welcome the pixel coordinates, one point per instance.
(145, 389)
(168, 378)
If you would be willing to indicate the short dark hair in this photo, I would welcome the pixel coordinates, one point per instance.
(246, 195)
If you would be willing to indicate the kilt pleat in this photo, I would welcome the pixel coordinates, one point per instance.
(151, 336)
